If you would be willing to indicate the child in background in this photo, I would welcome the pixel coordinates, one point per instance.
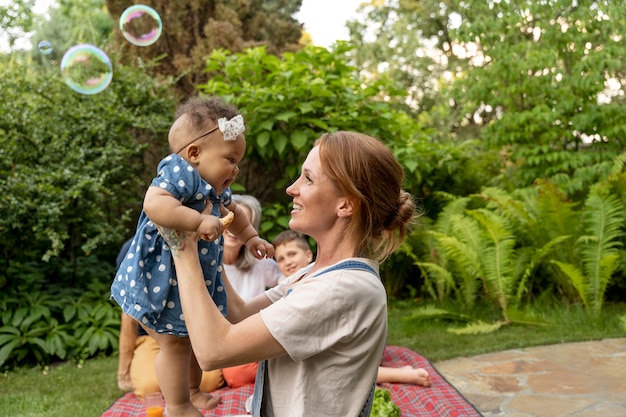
(292, 252)
(207, 144)
(295, 252)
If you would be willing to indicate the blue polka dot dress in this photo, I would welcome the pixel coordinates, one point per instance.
(145, 285)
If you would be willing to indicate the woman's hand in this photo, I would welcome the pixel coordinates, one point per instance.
(177, 240)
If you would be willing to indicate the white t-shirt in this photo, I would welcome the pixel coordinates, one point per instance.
(262, 275)
(333, 327)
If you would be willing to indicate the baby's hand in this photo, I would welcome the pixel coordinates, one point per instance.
(260, 248)
(210, 227)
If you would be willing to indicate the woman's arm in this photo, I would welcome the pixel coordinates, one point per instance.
(238, 308)
(216, 342)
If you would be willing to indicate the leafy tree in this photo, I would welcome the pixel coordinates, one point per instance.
(193, 29)
(541, 82)
(18, 19)
(71, 23)
(542, 69)
(71, 166)
(411, 42)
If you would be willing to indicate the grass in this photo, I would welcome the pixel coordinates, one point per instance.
(554, 324)
(66, 389)
(87, 389)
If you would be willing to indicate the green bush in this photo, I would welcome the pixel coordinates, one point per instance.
(72, 166)
(41, 325)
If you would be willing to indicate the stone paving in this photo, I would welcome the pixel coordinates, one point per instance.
(584, 379)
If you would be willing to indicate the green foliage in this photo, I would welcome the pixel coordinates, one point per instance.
(383, 405)
(71, 164)
(478, 327)
(275, 220)
(289, 101)
(430, 311)
(542, 72)
(391, 39)
(193, 29)
(71, 23)
(16, 18)
(539, 84)
(604, 222)
(38, 326)
(504, 240)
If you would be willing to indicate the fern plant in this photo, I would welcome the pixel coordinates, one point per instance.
(478, 253)
(486, 251)
(603, 218)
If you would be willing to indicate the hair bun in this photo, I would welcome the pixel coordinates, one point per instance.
(403, 215)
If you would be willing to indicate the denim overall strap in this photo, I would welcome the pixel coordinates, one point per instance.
(259, 381)
(349, 265)
(367, 407)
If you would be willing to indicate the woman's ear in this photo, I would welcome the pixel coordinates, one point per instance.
(345, 208)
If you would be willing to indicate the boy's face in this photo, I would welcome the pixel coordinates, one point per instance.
(290, 257)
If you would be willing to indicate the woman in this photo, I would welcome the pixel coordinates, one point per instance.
(323, 330)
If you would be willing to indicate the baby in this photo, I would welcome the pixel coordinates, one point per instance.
(207, 143)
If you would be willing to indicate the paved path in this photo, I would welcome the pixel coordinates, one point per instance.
(585, 379)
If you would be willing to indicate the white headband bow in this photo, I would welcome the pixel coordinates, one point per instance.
(231, 128)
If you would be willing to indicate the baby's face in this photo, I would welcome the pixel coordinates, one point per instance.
(218, 162)
(290, 257)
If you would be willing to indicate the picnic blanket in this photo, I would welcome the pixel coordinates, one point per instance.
(439, 400)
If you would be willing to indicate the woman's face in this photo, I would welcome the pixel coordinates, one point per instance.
(232, 244)
(315, 199)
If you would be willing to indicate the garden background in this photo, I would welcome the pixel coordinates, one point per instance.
(508, 117)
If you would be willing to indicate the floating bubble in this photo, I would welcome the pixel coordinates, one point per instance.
(86, 69)
(141, 25)
(45, 47)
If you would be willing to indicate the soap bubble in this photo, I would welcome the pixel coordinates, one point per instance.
(141, 25)
(86, 69)
(45, 47)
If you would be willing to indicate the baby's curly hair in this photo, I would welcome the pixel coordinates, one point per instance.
(204, 112)
(196, 118)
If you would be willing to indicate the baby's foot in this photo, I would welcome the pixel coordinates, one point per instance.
(203, 400)
(183, 410)
(417, 376)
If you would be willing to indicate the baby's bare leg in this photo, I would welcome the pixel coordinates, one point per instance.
(172, 369)
(200, 399)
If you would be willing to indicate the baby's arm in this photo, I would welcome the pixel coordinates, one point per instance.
(246, 233)
(163, 209)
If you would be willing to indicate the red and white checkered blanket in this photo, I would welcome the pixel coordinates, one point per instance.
(439, 400)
